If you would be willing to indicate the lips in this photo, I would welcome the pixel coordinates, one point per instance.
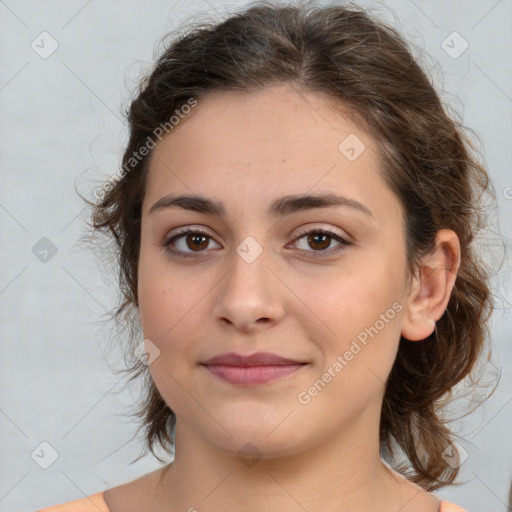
(258, 359)
(251, 370)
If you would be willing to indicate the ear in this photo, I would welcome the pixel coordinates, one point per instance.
(431, 288)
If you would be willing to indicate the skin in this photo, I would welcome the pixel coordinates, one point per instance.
(245, 151)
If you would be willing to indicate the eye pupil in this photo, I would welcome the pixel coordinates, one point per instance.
(312, 239)
(198, 241)
(195, 243)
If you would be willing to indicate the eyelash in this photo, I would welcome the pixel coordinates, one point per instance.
(315, 231)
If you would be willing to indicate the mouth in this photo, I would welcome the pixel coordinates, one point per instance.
(252, 370)
(253, 375)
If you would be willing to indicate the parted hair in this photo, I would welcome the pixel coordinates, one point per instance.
(427, 159)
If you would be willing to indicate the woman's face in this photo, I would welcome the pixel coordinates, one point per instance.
(257, 282)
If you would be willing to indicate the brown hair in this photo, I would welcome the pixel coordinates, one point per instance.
(427, 160)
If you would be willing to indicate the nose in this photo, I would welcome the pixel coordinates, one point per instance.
(250, 296)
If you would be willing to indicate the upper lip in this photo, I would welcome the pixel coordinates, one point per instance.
(257, 359)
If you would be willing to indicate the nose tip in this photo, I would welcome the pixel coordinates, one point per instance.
(247, 300)
(246, 326)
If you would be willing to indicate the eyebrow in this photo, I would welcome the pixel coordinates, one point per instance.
(279, 207)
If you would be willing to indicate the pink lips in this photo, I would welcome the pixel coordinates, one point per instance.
(251, 370)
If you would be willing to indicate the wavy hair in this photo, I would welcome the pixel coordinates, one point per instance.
(426, 157)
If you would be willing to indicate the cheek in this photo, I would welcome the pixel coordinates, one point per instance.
(158, 307)
(171, 303)
(166, 307)
(158, 290)
(356, 313)
(347, 301)
(170, 313)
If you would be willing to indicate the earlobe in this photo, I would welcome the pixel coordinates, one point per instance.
(432, 287)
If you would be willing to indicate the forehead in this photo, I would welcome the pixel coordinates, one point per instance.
(269, 143)
(275, 122)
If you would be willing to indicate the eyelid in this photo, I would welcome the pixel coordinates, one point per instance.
(187, 230)
(342, 239)
(305, 230)
(343, 242)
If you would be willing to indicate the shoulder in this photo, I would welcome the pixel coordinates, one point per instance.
(134, 495)
(447, 506)
(131, 496)
(92, 503)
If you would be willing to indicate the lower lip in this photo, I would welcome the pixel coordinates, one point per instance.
(253, 375)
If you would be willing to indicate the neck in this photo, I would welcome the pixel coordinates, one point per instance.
(345, 473)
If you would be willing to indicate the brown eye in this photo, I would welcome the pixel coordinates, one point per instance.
(320, 240)
(190, 241)
(195, 241)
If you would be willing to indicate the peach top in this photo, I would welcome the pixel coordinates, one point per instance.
(96, 503)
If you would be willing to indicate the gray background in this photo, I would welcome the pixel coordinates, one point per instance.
(61, 127)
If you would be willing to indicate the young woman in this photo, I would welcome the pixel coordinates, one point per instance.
(295, 219)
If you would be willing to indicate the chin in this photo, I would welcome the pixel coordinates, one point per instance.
(259, 439)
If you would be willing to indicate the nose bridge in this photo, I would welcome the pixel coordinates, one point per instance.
(249, 292)
(249, 272)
